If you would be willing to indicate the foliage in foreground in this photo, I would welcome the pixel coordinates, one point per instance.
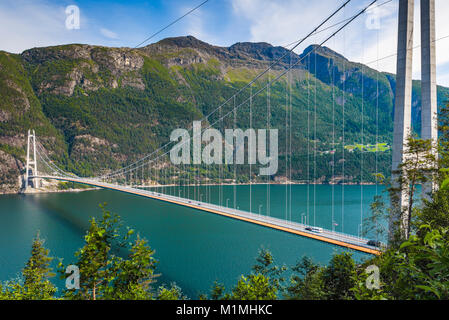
(111, 266)
(34, 283)
(104, 273)
(415, 269)
(415, 266)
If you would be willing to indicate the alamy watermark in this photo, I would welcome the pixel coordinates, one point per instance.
(72, 282)
(72, 20)
(373, 280)
(372, 21)
(233, 145)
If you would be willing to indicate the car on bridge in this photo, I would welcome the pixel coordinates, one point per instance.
(374, 243)
(315, 229)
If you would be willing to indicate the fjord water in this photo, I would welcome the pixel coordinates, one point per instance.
(193, 248)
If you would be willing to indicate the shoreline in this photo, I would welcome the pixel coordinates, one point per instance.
(48, 191)
(258, 183)
(188, 185)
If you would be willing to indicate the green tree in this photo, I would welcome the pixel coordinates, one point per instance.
(263, 283)
(94, 262)
(418, 269)
(254, 287)
(418, 167)
(338, 277)
(172, 293)
(333, 282)
(443, 131)
(132, 277)
(375, 222)
(13, 290)
(265, 265)
(104, 274)
(306, 282)
(34, 283)
(217, 291)
(37, 272)
(435, 212)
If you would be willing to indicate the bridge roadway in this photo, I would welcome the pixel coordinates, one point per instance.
(337, 238)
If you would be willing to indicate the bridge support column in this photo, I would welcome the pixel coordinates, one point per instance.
(403, 103)
(31, 165)
(429, 123)
(403, 100)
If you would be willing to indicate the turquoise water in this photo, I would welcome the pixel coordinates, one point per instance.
(194, 248)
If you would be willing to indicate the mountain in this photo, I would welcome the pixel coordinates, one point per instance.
(98, 108)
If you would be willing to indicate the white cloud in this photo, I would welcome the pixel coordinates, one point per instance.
(195, 25)
(281, 22)
(108, 33)
(26, 25)
(38, 23)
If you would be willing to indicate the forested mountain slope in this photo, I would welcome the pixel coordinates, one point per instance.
(98, 108)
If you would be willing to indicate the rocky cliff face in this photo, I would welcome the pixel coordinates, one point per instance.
(96, 108)
(87, 67)
(10, 169)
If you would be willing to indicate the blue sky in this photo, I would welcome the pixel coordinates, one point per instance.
(35, 23)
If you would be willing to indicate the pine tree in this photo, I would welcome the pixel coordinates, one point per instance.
(94, 258)
(172, 293)
(254, 287)
(36, 274)
(266, 266)
(419, 167)
(104, 274)
(133, 276)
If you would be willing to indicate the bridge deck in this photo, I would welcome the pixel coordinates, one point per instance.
(333, 237)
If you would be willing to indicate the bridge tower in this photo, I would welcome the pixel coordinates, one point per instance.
(403, 97)
(31, 165)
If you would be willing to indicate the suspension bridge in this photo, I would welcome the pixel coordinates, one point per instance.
(165, 180)
(340, 239)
